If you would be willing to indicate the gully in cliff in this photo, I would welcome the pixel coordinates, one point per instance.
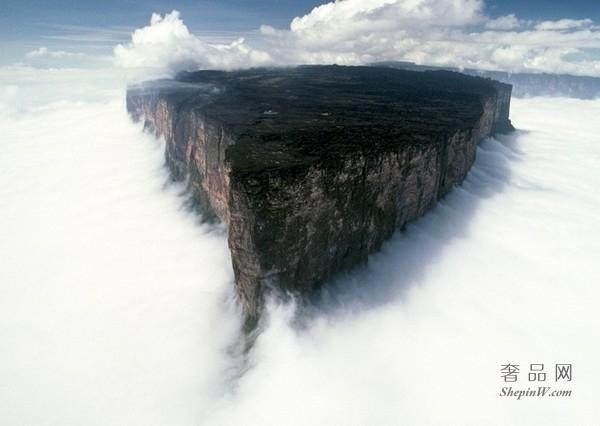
(314, 167)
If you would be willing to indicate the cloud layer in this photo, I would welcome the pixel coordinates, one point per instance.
(114, 306)
(435, 32)
(114, 300)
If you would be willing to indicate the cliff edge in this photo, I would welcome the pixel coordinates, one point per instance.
(314, 167)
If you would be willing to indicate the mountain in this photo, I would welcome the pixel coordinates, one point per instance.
(314, 167)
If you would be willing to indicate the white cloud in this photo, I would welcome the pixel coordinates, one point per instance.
(86, 36)
(357, 31)
(435, 32)
(563, 24)
(47, 58)
(27, 88)
(506, 22)
(167, 43)
(388, 14)
(45, 52)
(112, 292)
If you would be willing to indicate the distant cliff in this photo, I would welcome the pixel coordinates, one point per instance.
(313, 168)
(524, 84)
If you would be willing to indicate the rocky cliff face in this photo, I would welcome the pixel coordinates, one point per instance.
(313, 168)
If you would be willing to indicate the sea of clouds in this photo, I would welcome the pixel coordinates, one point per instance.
(116, 302)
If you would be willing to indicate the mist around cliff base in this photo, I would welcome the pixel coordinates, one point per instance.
(116, 302)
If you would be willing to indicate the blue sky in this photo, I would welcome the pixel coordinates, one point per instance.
(31, 20)
(94, 27)
(72, 24)
(545, 9)
(22, 17)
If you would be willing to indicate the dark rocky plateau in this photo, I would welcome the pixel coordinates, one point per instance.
(314, 167)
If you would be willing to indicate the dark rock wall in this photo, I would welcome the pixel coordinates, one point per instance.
(195, 148)
(291, 229)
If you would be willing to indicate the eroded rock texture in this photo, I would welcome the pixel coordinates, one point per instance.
(313, 168)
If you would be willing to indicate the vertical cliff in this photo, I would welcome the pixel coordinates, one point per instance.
(313, 168)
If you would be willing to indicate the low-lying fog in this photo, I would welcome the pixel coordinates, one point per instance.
(115, 302)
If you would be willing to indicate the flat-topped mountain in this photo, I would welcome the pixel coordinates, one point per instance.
(313, 167)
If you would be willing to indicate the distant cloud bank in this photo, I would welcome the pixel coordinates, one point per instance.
(45, 52)
(434, 32)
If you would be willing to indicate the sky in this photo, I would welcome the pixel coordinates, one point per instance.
(28, 24)
(488, 34)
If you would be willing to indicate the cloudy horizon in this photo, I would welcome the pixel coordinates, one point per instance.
(463, 33)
